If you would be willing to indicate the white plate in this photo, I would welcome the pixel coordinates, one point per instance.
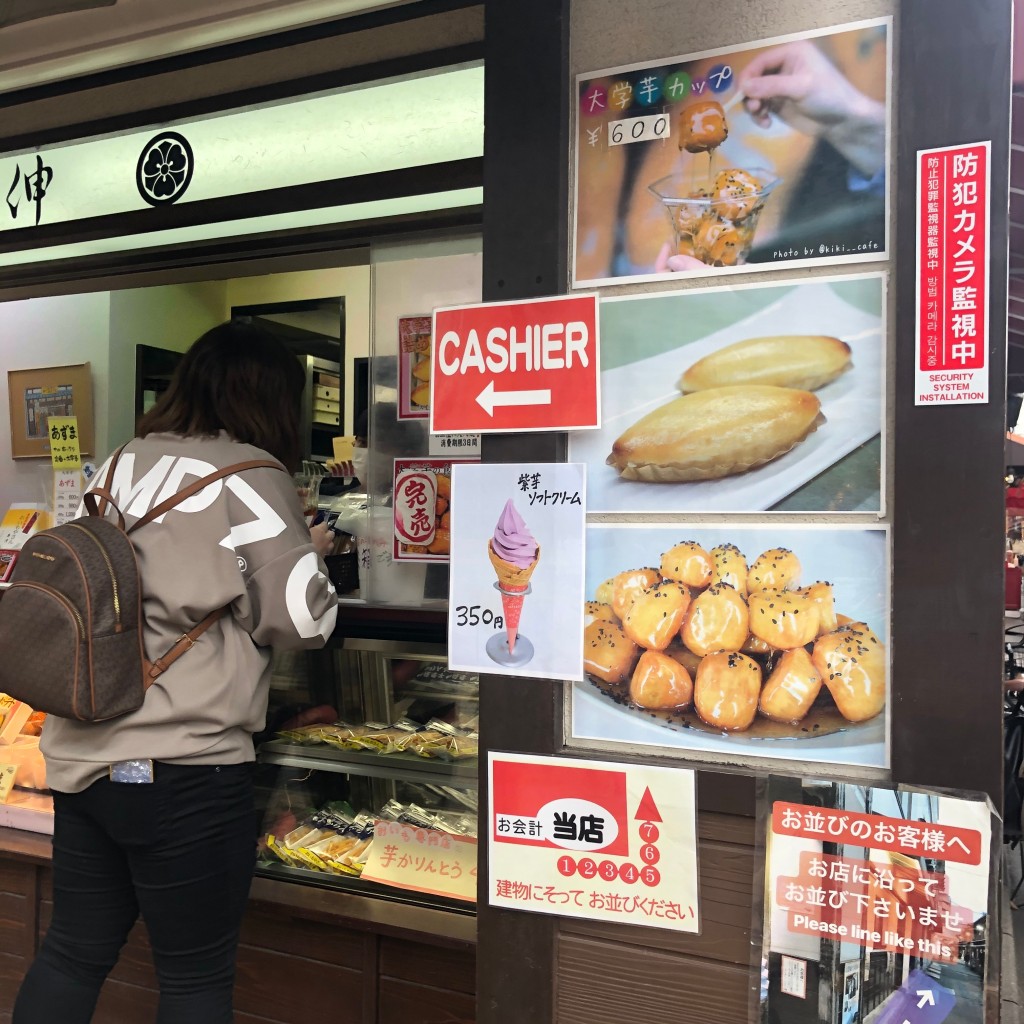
(852, 406)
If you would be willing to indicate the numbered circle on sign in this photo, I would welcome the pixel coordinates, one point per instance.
(649, 832)
(628, 873)
(586, 867)
(608, 870)
(650, 875)
(650, 854)
(566, 866)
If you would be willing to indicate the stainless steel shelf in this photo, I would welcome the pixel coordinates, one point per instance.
(405, 767)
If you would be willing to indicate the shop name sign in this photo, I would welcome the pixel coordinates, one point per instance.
(246, 151)
(953, 243)
(511, 366)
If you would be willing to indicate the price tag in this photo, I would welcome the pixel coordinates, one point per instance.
(422, 860)
(465, 446)
(7, 774)
(64, 449)
(67, 495)
(639, 129)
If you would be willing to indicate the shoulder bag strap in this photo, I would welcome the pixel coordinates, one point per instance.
(192, 489)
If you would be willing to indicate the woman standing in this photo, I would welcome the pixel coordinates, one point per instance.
(154, 810)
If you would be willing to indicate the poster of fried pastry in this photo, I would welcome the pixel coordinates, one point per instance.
(736, 642)
(741, 399)
(774, 154)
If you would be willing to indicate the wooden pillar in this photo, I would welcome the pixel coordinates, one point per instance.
(525, 252)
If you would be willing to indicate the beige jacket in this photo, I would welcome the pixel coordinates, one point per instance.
(241, 542)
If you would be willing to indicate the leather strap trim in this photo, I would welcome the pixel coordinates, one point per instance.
(192, 489)
(93, 499)
(154, 669)
(104, 491)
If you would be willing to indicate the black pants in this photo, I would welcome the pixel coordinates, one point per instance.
(181, 850)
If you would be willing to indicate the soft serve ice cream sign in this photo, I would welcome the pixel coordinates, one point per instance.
(517, 538)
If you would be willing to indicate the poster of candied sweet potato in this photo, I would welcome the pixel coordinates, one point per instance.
(736, 642)
(414, 367)
(774, 154)
(741, 398)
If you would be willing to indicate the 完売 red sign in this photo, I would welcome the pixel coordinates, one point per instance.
(952, 274)
(510, 366)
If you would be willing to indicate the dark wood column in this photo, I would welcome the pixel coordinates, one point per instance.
(952, 86)
(525, 251)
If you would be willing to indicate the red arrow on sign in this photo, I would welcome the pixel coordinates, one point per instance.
(648, 809)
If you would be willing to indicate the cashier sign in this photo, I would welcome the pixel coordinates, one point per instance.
(513, 366)
(594, 839)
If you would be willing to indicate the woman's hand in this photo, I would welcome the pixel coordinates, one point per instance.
(799, 84)
(323, 539)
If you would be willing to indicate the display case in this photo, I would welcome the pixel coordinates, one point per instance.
(362, 733)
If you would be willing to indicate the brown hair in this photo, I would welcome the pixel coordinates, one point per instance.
(238, 378)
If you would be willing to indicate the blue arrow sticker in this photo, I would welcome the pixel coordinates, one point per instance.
(922, 1000)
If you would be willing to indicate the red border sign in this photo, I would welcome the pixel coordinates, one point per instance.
(953, 243)
(512, 366)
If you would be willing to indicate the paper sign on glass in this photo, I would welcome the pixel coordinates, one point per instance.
(593, 840)
(422, 509)
(67, 495)
(860, 878)
(422, 860)
(516, 582)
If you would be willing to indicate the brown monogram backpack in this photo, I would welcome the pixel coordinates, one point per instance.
(71, 624)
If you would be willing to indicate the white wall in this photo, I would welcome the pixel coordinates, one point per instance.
(54, 331)
(170, 317)
(103, 329)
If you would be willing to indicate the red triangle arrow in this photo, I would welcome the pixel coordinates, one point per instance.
(648, 809)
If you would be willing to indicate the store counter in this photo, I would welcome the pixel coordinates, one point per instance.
(316, 938)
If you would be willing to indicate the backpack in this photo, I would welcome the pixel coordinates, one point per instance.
(71, 623)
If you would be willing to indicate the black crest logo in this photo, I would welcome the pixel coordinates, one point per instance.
(164, 169)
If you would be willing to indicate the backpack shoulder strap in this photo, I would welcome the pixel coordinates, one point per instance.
(101, 496)
(183, 495)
